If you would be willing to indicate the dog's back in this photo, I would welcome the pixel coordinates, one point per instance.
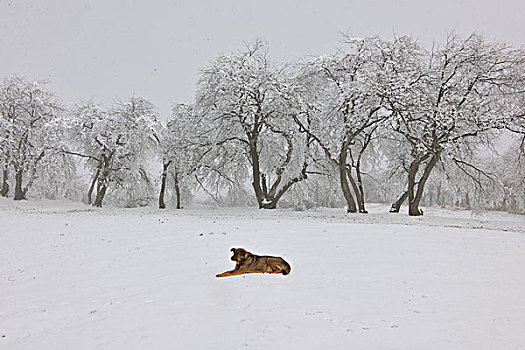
(273, 264)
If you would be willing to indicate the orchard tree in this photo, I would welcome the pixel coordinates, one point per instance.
(443, 100)
(193, 159)
(184, 146)
(28, 132)
(116, 144)
(56, 173)
(5, 126)
(248, 104)
(344, 112)
(509, 169)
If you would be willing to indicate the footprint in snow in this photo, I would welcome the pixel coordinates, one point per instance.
(211, 234)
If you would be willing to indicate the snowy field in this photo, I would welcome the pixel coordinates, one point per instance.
(76, 277)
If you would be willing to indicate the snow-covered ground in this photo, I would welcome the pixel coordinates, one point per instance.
(76, 277)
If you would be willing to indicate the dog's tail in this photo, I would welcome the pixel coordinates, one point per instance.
(286, 270)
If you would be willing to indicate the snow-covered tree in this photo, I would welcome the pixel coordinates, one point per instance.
(444, 99)
(56, 175)
(28, 132)
(185, 145)
(344, 112)
(116, 143)
(509, 169)
(248, 104)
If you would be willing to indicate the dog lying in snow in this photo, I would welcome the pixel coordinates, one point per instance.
(247, 262)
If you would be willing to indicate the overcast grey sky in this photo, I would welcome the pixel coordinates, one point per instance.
(110, 49)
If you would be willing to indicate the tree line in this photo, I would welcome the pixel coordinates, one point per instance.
(383, 118)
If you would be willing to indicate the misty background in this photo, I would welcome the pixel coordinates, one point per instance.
(109, 50)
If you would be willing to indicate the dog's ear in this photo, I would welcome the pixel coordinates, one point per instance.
(233, 249)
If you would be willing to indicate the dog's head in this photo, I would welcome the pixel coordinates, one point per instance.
(239, 254)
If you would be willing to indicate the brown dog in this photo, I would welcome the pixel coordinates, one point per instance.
(247, 262)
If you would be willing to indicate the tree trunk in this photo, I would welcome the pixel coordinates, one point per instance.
(256, 175)
(92, 187)
(177, 191)
(102, 186)
(413, 204)
(272, 204)
(361, 190)
(165, 166)
(351, 207)
(265, 200)
(357, 191)
(264, 185)
(19, 192)
(439, 200)
(343, 178)
(397, 204)
(101, 192)
(269, 205)
(413, 209)
(104, 172)
(5, 184)
(415, 198)
(268, 196)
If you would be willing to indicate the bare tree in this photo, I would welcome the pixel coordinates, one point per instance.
(185, 147)
(344, 112)
(115, 144)
(27, 131)
(249, 103)
(443, 99)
